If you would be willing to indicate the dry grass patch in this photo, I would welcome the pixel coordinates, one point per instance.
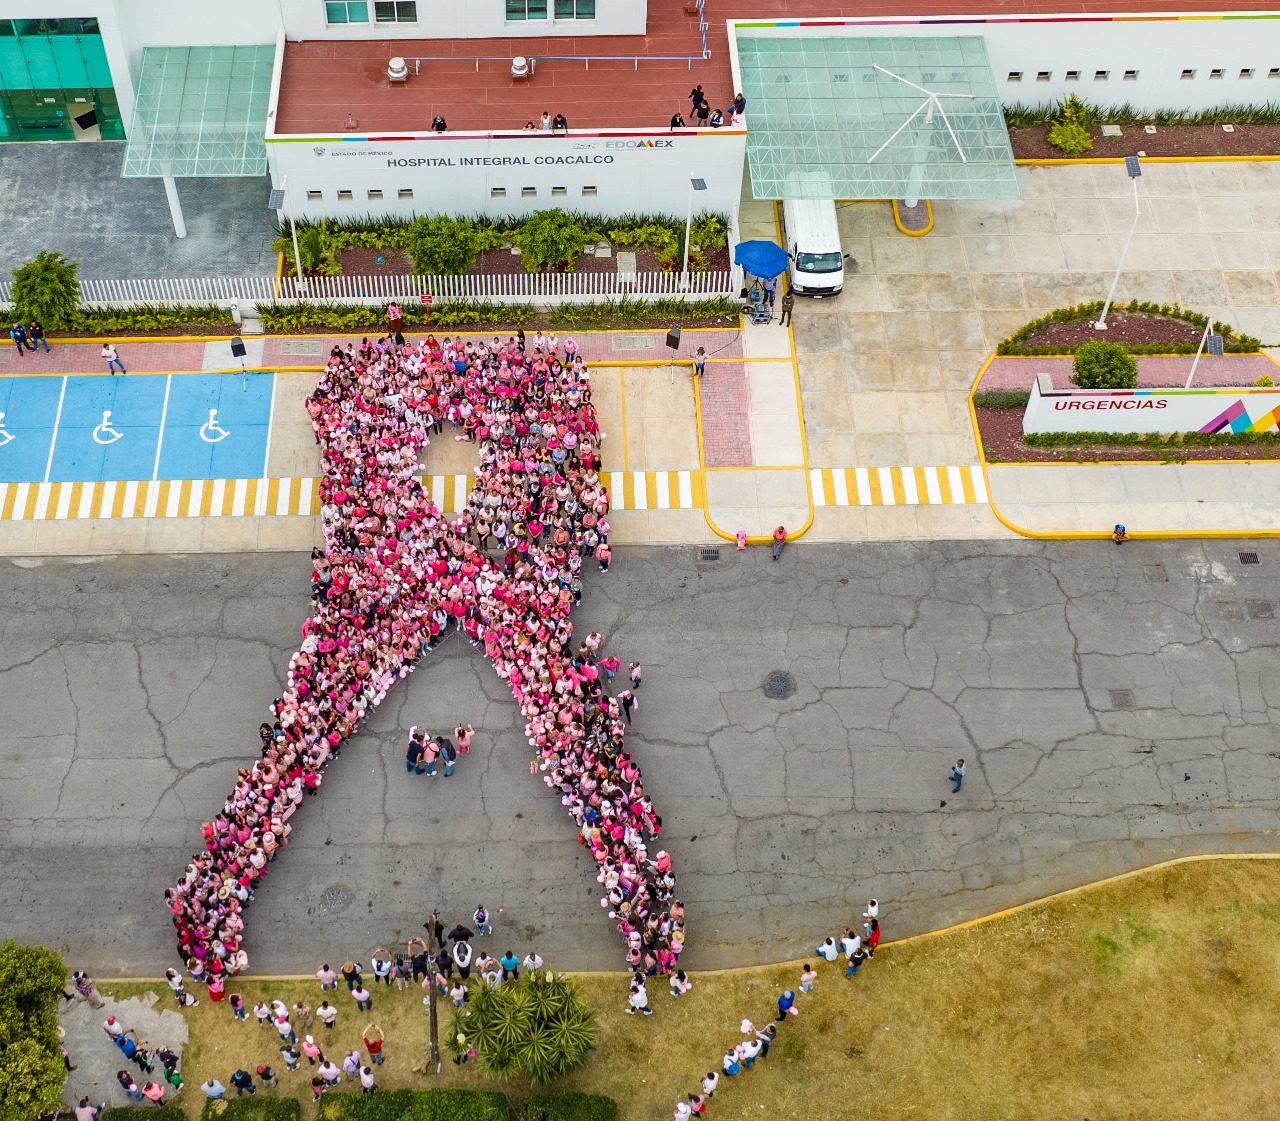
(1150, 998)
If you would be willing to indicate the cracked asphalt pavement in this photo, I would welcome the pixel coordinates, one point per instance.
(1116, 707)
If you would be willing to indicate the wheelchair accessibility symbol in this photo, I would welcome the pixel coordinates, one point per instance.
(104, 433)
(211, 431)
(5, 435)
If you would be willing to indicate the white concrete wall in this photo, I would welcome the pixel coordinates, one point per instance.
(633, 173)
(1156, 50)
(465, 19)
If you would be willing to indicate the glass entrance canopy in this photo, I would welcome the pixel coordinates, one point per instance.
(873, 118)
(200, 111)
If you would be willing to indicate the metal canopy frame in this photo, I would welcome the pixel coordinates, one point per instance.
(861, 117)
(200, 111)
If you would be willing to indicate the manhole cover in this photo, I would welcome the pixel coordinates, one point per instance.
(632, 342)
(336, 898)
(779, 685)
(1229, 609)
(1260, 609)
(1154, 574)
(1122, 698)
(1248, 558)
(709, 553)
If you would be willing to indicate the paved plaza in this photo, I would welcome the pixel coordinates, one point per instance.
(74, 201)
(1115, 704)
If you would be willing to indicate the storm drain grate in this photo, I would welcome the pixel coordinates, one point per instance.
(1154, 574)
(1229, 609)
(779, 686)
(1248, 558)
(289, 346)
(709, 553)
(632, 342)
(1260, 609)
(1123, 698)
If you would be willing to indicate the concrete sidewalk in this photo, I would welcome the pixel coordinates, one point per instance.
(1149, 499)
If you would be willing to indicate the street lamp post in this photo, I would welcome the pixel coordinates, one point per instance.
(1134, 169)
(278, 201)
(695, 184)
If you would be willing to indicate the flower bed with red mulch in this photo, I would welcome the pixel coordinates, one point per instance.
(1031, 142)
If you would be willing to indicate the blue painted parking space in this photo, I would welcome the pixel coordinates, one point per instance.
(174, 426)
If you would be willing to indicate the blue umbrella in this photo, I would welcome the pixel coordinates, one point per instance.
(760, 258)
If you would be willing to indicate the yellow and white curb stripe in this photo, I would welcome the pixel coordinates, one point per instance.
(898, 486)
(655, 490)
(157, 498)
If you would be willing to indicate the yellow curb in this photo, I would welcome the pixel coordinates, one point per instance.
(897, 221)
(1147, 159)
(96, 340)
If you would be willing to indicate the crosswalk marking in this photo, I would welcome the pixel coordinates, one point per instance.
(897, 486)
(629, 490)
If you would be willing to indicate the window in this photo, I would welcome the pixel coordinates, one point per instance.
(314, 196)
(346, 11)
(1274, 72)
(395, 11)
(1044, 76)
(528, 192)
(1246, 74)
(1073, 75)
(589, 192)
(344, 196)
(526, 9)
(375, 196)
(1188, 75)
(1014, 76)
(405, 193)
(77, 25)
(559, 192)
(1130, 75)
(575, 9)
(497, 192)
(1101, 75)
(1216, 75)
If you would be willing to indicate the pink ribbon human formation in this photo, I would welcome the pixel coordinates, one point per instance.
(395, 575)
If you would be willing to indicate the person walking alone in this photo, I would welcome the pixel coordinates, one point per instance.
(788, 303)
(958, 770)
(112, 356)
(629, 703)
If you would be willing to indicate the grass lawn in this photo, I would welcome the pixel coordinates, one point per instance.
(1151, 997)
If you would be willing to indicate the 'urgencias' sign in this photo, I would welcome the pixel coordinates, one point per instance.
(1152, 410)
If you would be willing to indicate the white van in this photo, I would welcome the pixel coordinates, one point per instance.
(812, 239)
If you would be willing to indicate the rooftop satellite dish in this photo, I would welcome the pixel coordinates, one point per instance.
(928, 107)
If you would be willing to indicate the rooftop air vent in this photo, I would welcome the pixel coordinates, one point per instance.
(397, 70)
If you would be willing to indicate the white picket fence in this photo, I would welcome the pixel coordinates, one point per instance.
(502, 288)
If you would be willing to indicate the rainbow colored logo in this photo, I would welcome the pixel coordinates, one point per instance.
(1236, 418)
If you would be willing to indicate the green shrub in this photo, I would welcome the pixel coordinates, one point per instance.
(442, 246)
(148, 317)
(537, 1027)
(1152, 440)
(710, 231)
(1087, 313)
(1070, 138)
(31, 1070)
(414, 1105)
(255, 1108)
(1101, 365)
(168, 1112)
(625, 309)
(550, 237)
(47, 288)
(569, 1106)
(1001, 399)
(1264, 382)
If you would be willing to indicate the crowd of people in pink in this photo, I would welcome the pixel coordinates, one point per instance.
(395, 575)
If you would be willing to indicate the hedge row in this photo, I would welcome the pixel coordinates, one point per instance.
(260, 1107)
(1155, 440)
(414, 1105)
(1085, 313)
(1001, 399)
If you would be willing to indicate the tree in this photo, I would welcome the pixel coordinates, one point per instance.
(31, 1070)
(537, 1027)
(47, 288)
(551, 237)
(1100, 365)
(442, 246)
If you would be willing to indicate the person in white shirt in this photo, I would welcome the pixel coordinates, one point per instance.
(850, 942)
(532, 962)
(828, 951)
(710, 1083)
(367, 1084)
